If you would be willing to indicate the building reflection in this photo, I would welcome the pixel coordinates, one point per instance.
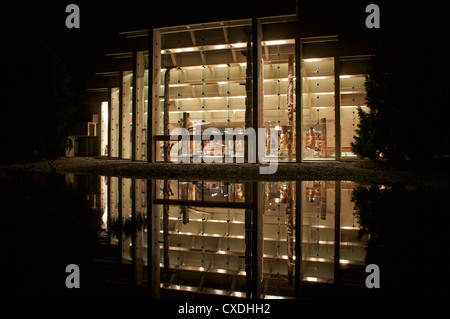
(232, 239)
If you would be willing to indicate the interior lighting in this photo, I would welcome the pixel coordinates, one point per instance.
(311, 60)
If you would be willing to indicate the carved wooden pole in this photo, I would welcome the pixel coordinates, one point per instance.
(290, 106)
(290, 232)
(167, 191)
(323, 137)
(167, 145)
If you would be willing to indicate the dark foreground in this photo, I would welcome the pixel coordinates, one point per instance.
(47, 225)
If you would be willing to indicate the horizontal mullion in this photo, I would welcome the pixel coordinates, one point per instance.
(202, 203)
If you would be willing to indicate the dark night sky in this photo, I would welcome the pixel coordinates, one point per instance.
(27, 26)
(31, 25)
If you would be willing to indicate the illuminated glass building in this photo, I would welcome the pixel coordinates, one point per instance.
(260, 239)
(298, 77)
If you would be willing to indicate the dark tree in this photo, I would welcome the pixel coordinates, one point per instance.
(408, 111)
(407, 89)
(40, 104)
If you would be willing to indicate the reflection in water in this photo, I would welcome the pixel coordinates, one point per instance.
(234, 239)
(175, 238)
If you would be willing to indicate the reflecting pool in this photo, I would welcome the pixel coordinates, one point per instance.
(166, 238)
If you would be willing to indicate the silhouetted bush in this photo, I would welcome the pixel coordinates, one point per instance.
(39, 104)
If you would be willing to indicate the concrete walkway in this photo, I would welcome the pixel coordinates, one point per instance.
(329, 170)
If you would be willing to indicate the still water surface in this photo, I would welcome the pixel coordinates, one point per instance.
(208, 238)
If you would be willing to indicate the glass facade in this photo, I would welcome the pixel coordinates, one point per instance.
(205, 82)
(210, 79)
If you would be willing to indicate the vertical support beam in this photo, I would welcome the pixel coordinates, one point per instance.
(138, 106)
(166, 114)
(109, 205)
(257, 79)
(153, 225)
(150, 98)
(127, 108)
(119, 151)
(337, 109)
(120, 218)
(248, 241)
(337, 230)
(114, 201)
(248, 91)
(98, 131)
(298, 238)
(298, 102)
(166, 196)
(109, 122)
(154, 124)
(114, 122)
(134, 107)
(133, 232)
(125, 187)
(139, 204)
(257, 239)
(150, 248)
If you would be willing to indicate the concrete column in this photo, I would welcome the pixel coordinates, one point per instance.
(154, 109)
(115, 123)
(298, 102)
(138, 207)
(298, 238)
(120, 119)
(337, 230)
(258, 204)
(257, 72)
(138, 109)
(109, 121)
(127, 108)
(134, 97)
(126, 210)
(113, 201)
(337, 109)
(153, 251)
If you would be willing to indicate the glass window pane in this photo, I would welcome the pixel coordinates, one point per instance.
(353, 96)
(205, 79)
(279, 97)
(318, 102)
